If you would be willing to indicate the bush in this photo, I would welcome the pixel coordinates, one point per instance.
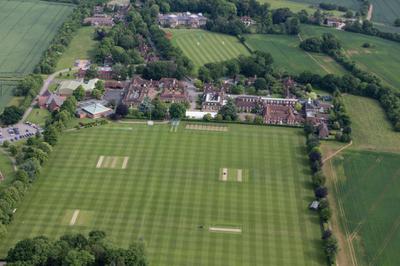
(321, 192)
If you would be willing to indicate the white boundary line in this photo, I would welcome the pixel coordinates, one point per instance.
(224, 174)
(239, 175)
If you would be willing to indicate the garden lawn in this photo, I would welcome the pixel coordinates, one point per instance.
(38, 116)
(82, 46)
(205, 47)
(137, 182)
(26, 30)
(288, 56)
(382, 59)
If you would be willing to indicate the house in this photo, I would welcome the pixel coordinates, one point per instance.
(99, 20)
(94, 110)
(50, 101)
(317, 112)
(213, 98)
(115, 85)
(67, 87)
(247, 21)
(82, 64)
(333, 22)
(186, 19)
(247, 103)
(138, 90)
(172, 91)
(105, 73)
(281, 115)
(323, 131)
(119, 4)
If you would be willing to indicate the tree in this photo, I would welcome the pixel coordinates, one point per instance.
(177, 111)
(159, 111)
(79, 258)
(32, 167)
(321, 192)
(79, 93)
(260, 84)
(258, 120)
(122, 110)
(207, 117)
(228, 111)
(315, 154)
(11, 115)
(397, 22)
(91, 73)
(31, 251)
(331, 248)
(50, 135)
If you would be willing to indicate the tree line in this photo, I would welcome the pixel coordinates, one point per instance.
(75, 249)
(359, 82)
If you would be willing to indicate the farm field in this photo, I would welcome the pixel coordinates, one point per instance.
(81, 47)
(167, 189)
(365, 179)
(296, 6)
(385, 11)
(26, 29)
(288, 56)
(368, 189)
(352, 4)
(365, 114)
(383, 59)
(206, 47)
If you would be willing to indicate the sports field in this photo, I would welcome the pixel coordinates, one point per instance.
(26, 29)
(288, 56)
(81, 47)
(205, 47)
(382, 59)
(168, 188)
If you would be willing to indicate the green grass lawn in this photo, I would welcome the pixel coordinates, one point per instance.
(27, 28)
(6, 168)
(38, 116)
(383, 59)
(368, 188)
(82, 46)
(296, 6)
(288, 56)
(205, 47)
(6, 93)
(371, 129)
(171, 185)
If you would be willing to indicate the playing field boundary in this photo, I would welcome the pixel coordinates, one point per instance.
(225, 230)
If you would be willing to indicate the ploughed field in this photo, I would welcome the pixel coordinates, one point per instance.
(26, 30)
(198, 194)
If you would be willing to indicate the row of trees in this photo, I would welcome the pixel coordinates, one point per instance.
(64, 35)
(153, 109)
(360, 82)
(367, 27)
(75, 249)
(321, 191)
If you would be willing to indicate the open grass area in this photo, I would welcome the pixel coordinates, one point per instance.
(6, 93)
(288, 56)
(352, 4)
(38, 116)
(296, 6)
(26, 29)
(205, 47)
(82, 46)
(6, 168)
(383, 59)
(371, 129)
(368, 193)
(139, 182)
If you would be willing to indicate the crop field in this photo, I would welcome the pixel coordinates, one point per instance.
(368, 188)
(26, 29)
(237, 196)
(385, 11)
(82, 46)
(288, 56)
(352, 4)
(205, 47)
(382, 59)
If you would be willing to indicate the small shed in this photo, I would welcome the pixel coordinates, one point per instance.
(314, 205)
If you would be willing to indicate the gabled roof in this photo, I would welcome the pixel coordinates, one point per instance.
(95, 109)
